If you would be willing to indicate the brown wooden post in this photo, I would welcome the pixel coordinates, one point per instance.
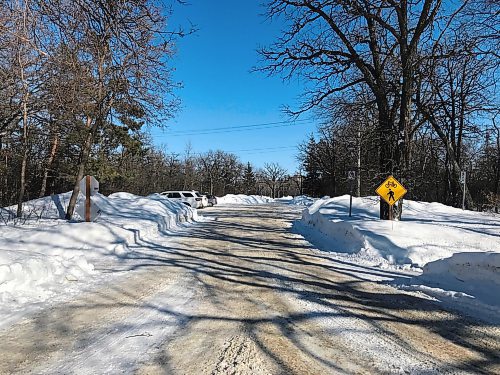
(87, 199)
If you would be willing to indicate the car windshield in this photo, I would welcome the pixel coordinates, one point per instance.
(198, 194)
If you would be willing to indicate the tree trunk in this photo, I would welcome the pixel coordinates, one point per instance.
(84, 154)
(401, 162)
(469, 203)
(497, 174)
(358, 171)
(50, 160)
(22, 177)
(2, 188)
(24, 162)
(5, 181)
(386, 161)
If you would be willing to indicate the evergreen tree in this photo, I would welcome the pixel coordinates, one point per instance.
(249, 180)
(312, 179)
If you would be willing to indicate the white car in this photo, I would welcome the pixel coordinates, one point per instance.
(187, 197)
(204, 199)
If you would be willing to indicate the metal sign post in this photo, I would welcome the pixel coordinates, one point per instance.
(351, 175)
(87, 199)
(463, 177)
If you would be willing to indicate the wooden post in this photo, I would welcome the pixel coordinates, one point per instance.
(87, 199)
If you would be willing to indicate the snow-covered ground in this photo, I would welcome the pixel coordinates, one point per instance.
(299, 200)
(450, 254)
(43, 257)
(453, 254)
(243, 199)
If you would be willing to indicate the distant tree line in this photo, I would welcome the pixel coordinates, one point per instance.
(407, 88)
(149, 170)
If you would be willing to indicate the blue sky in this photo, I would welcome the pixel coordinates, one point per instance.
(221, 93)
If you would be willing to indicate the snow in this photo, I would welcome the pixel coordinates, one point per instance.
(475, 271)
(449, 254)
(299, 200)
(43, 256)
(471, 277)
(452, 254)
(412, 241)
(231, 199)
(131, 342)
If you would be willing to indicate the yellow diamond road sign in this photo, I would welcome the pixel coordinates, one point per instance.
(391, 190)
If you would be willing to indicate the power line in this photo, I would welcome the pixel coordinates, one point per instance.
(239, 128)
(263, 152)
(208, 132)
(250, 125)
(250, 151)
(266, 149)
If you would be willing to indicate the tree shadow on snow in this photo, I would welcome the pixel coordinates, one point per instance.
(251, 260)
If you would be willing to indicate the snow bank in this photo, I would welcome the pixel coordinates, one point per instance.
(243, 199)
(461, 267)
(52, 207)
(469, 274)
(42, 255)
(152, 214)
(459, 251)
(412, 241)
(299, 200)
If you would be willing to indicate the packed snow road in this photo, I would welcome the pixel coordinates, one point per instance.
(240, 293)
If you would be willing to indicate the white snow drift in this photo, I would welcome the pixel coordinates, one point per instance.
(42, 256)
(298, 200)
(427, 232)
(231, 199)
(459, 251)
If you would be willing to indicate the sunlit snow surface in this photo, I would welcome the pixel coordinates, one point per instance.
(232, 199)
(449, 254)
(43, 257)
(453, 254)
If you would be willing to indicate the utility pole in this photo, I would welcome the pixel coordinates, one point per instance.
(463, 176)
(358, 174)
(300, 181)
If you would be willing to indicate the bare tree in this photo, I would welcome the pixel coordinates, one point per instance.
(273, 176)
(211, 167)
(336, 45)
(456, 86)
(24, 58)
(120, 50)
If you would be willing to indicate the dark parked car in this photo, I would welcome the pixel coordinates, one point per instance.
(212, 199)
